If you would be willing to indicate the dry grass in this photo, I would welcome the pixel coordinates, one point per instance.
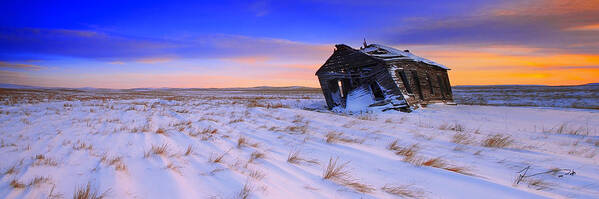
(460, 170)
(16, 184)
(497, 141)
(564, 129)
(241, 142)
(334, 137)
(209, 131)
(39, 180)
(294, 157)
(454, 127)
(82, 146)
(236, 120)
(86, 192)
(256, 155)
(217, 158)
(404, 191)
(117, 162)
(435, 162)
(189, 150)
(335, 170)
(173, 167)
(301, 129)
(157, 150)
(461, 138)
(338, 173)
(245, 191)
(11, 170)
(256, 174)
(407, 152)
(41, 160)
(160, 131)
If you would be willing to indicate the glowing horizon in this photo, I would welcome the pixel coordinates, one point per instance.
(267, 43)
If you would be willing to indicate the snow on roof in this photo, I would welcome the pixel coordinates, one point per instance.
(388, 54)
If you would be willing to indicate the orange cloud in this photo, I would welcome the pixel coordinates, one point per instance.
(511, 65)
(550, 77)
(592, 27)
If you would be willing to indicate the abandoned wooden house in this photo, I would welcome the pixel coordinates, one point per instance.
(378, 75)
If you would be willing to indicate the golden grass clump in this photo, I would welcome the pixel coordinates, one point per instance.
(337, 172)
(498, 141)
(117, 162)
(294, 157)
(217, 158)
(157, 150)
(461, 138)
(256, 155)
(334, 137)
(86, 192)
(241, 142)
(160, 131)
(16, 184)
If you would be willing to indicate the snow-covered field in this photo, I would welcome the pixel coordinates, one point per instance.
(190, 143)
(583, 96)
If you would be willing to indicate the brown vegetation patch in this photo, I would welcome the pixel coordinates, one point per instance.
(337, 172)
(498, 141)
(256, 155)
(87, 192)
(333, 137)
(294, 157)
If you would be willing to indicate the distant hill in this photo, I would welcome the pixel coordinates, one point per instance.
(258, 88)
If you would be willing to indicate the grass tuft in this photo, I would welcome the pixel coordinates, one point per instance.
(157, 150)
(256, 155)
(189, 150)
(404, 191)
(335, 170)
(498, 141)
(86, 192)
(16, 184)
(294, 157)
(338, 173)
(245, 191)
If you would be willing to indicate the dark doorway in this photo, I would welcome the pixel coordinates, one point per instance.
(376, 91)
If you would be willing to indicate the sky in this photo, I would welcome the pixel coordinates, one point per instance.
(200, 44)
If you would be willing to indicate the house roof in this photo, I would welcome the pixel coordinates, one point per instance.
(387, 53)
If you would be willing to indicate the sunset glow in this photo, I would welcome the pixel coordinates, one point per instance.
(278, 43)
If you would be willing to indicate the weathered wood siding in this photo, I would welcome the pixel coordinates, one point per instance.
(427, 80)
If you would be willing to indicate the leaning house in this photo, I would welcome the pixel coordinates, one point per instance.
(377, 75)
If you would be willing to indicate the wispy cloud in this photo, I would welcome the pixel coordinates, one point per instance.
(19, 66)
(154, 60)
(534, 23)
(112, 47)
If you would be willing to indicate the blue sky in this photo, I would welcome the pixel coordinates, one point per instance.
(124, 44)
